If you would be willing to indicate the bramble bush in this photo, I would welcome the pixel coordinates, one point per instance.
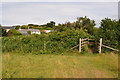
(54, 42)
(15, 33)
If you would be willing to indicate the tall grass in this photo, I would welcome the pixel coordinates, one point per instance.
(60, 66)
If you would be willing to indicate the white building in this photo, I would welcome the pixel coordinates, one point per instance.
(8, 28)
(33, 31)
(47, 31)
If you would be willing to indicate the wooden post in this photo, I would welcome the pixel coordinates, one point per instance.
(44, 46)
(100, 45)
(80, 45)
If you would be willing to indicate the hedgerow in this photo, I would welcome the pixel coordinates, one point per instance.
(55, 42)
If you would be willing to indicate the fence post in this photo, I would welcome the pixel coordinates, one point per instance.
(44, 46)
(80, 45)
(100, 45)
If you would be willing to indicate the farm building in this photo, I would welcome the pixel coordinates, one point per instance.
(33, 31)
(47, 31)
(8, 28)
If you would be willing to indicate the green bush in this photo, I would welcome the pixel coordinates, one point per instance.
(29, 32)
(15, 33)
(85, 49)
(56, 42)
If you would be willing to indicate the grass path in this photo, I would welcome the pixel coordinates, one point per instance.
(60, 66)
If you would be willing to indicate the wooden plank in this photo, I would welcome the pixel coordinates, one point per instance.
(80, 45)
(91, 39)
(84, 42)
(84, 39)
(83, 45)
(75, 46)
(110, 48)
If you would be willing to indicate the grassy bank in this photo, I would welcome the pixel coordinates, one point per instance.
(59, 66)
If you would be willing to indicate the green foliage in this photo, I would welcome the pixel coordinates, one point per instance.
(64, 36)
(29, 32)
(30, 24)
(24, 27)
(51, 24)
(56, 42)
(3, 31)
(15, 33)
(82, 23)
(110, 32)
(17, 27)
(60, 28)
(48, 28)
(85, 49)
(36, 25)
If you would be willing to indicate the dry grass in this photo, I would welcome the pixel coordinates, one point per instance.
(60, 66)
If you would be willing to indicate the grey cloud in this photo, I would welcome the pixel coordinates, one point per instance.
(60, 0)
(40, 13)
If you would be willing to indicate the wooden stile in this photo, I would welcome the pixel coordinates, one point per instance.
(83, 42)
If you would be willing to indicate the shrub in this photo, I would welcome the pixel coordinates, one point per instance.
(15, 33)
(56, 42)
(29, 32)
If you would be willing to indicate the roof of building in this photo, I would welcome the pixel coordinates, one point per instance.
(25, 30)
(8, 27)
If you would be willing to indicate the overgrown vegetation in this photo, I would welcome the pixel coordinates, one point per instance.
(19, 60)
(55, 42)
(64, 36)
(29, 32)
(14, 32)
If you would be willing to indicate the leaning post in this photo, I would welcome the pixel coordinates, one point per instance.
(80, 45)
(100, 46)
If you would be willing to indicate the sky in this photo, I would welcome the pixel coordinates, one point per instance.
(22, 13)
(59, 0)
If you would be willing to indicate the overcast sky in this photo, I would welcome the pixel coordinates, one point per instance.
(20, 13)
(59, 0)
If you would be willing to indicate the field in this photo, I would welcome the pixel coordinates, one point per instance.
(60, 66)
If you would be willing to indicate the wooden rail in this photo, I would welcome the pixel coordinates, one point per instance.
(110, 47)
(84, 39)
(75, 46)
(83, 42)
(83, 45)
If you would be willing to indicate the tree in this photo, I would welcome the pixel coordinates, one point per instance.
(82, 23)
(4, 33)
(85, 23)
(14, 32)
(51, 24)
(29, 32)
(24, 27)
(30, 24)
(110, 32)
(17, 27)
